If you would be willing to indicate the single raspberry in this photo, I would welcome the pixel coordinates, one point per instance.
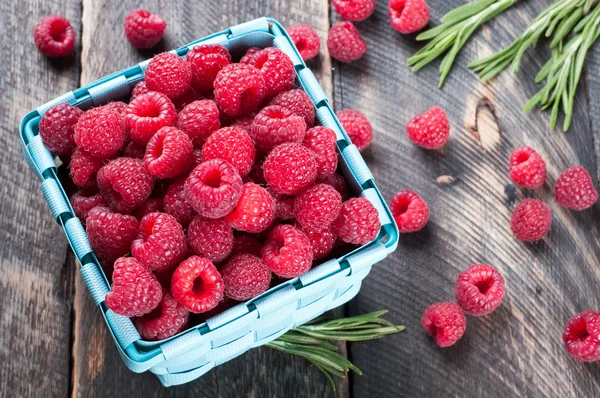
(54, 36)
(290, 168)
(84, 201)
(287, 252)
(581, 336)
(249, 54)
(213, 188)
(274, 125)
(139, 89)
(354, 10)
(197, 285)
(322, 142)
(110, 234)
(445, 322)
(254, 211)
(239, 89)
(358, 128)
(317, 207)
(57, 128)
(150, 205)
(479, 289)
(169, 153)
(209, 238)
(306, 40)
(167, 73)
(297, 101)
(148, 113)
(322, 242)
(176, 204)
(206, 60)
(83, 168)
(134, 150)
(345, 42)
(574, 189)
(245, 276)
(160, 243)
(100, 131)
(408, 16)
(430, 129)
(232, 145)
(527, 168)
(338, 182)
(409, 210)
(144, 30)
(187, 98)
(245, 244)
(358, 222)
(276, 68)
(531, 220)
(199, 120)
(284, 206)
(135, 290)
(244, 122)
(166, 320)
(124, 183)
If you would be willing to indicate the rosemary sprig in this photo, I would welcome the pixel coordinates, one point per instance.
(311, 340)
(456, 28)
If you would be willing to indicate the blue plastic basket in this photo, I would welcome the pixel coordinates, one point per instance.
(195, 351)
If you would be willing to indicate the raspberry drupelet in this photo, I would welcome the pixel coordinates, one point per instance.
(479, 289)
(445, 322)
(197, 285)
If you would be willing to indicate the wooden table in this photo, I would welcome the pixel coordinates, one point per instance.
(54, 343)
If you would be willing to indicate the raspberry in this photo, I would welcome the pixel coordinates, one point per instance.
(358, 222)
(244, 122)
(306, 40)
(297, 101)
(322, 242)
(317, 207)
(110, 234)
(116, 106)
(134, 150)
(144, 30)
(249, 54)
(290, 168)
(245, 276)
(284, 206)
(276, 68)
(287, 252)
(254, 211)
(186, 98)
(409, 210)
(148, 113)
(213, 188)
(354, 10)
(197, 285)
(531, 220)
(54, 36)
(167, 73)
(139, 89)
(445, 322)
(124, 183)
(239, 89)
(206, 60)
(338, 182)
(408, 16)
(84, 201)
(232, 145)
(322, 142)
(246, 244)
(199, 120)
(479, 289)
(581, 336)
(160, 243)
(100, 131)
(527, 168)
(57, 127)
(574, 189)
(135, 290)
(166, 320)
(169, 153)
(150, 205)
(430, 129)
(212, 239)
(176, 204)
(83, 168)
(274, 125)
(357, 127)
(345, 42)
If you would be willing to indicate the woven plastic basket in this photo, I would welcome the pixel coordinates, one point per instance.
(195, 351)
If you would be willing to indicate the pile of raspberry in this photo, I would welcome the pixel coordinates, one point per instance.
(212, 180)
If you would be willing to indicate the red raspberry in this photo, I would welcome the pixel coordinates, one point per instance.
(290, 168)
(322, 142)
(317, 207)
(167, 73)
(206, 60)
(297, 101)
(197, 285)
(54, 36)
(531, 220)
(144, 30)
(100, 131)
(176, 204)
(213, 188)
(169, 153)
(479, 289)
(116, 106)
(276, 68)
(445, 322)
(239, 89)
(199, 120)
(322, 242)
(581, 336)
(124, 183)
(358, 222)
(148, 113)
(354, 10)
(408, 16)
(168, 319)
(139, 89)
(232, 145)
(135, 290)
(274, 125)
(246, 244)
(527, 168)
(150, 205)
(110, 234)
(244, 122)
(249, 54)
(338, 182)
(255, 210)
(83, 168)
(284, 206)
(160, 243)
(82, 202)
(430, 129)
(187, 98)
(287, 252)
(357, 127)
(57, 128)
(345, 42)
(306, 40)
(212, 239)
(409, 210)
(245, 276)
(134, 150)
(574, 189)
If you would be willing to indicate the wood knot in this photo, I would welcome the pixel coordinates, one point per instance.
(486, 128)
